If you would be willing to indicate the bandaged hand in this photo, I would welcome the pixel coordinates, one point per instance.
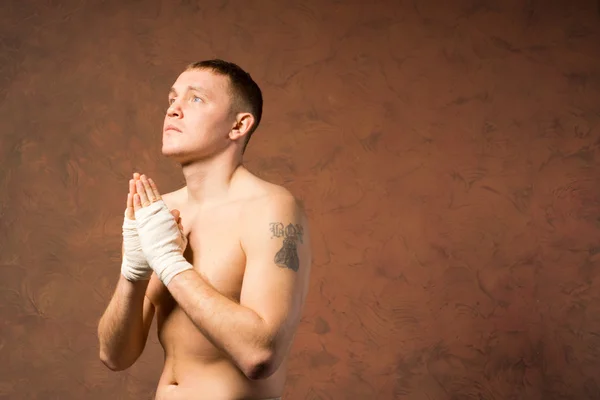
(161, 239)
(134, 266)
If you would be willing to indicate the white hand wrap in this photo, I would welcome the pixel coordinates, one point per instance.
(161, 240)
(134, 266)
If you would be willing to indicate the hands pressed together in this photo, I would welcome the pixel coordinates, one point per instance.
(153, 239)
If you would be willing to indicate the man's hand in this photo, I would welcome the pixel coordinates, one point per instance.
(161, 238)
(134, 266)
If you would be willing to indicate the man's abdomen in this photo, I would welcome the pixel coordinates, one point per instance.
(195, 369)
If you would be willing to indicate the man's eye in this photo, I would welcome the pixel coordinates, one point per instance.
(196, 99)
(171, 101)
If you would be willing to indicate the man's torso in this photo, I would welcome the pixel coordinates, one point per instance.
(194, 368)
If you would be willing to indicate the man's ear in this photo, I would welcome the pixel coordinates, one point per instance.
(241, 126)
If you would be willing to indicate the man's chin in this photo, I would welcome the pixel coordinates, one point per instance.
(173, 154)
(178, 156)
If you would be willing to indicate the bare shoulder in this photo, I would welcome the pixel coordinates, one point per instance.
(265, 197)
(272, 210)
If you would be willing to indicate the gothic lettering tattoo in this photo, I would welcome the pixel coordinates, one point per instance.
(287, 256)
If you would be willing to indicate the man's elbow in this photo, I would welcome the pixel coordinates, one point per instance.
(110, 363)
(261, 365)
(113, 363)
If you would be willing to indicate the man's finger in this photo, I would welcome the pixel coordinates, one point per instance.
(141, 193)
(137, 202)
(148, 189)
(136, 177)
(129, 211)
(132, 186)
(154, 189)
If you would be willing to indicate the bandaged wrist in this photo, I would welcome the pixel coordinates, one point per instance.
(161, 240)
(134, 266)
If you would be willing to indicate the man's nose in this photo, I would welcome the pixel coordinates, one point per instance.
(174, 111)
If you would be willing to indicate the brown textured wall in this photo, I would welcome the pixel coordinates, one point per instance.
(448, 154)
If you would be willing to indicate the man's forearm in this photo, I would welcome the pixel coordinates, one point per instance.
(121, 329)
(234, 329)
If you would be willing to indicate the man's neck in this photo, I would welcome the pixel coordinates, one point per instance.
(209, 181)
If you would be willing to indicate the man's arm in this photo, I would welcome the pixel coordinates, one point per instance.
(258, 332)
(124, 326)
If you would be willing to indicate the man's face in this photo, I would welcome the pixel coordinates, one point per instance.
(199, 117)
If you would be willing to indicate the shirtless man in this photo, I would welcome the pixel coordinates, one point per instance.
(223, 262)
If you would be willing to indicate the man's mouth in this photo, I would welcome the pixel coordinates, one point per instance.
(172, 129)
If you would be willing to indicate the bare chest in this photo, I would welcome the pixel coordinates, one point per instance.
(214, 249)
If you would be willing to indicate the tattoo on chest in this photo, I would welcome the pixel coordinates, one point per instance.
(287, 256)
